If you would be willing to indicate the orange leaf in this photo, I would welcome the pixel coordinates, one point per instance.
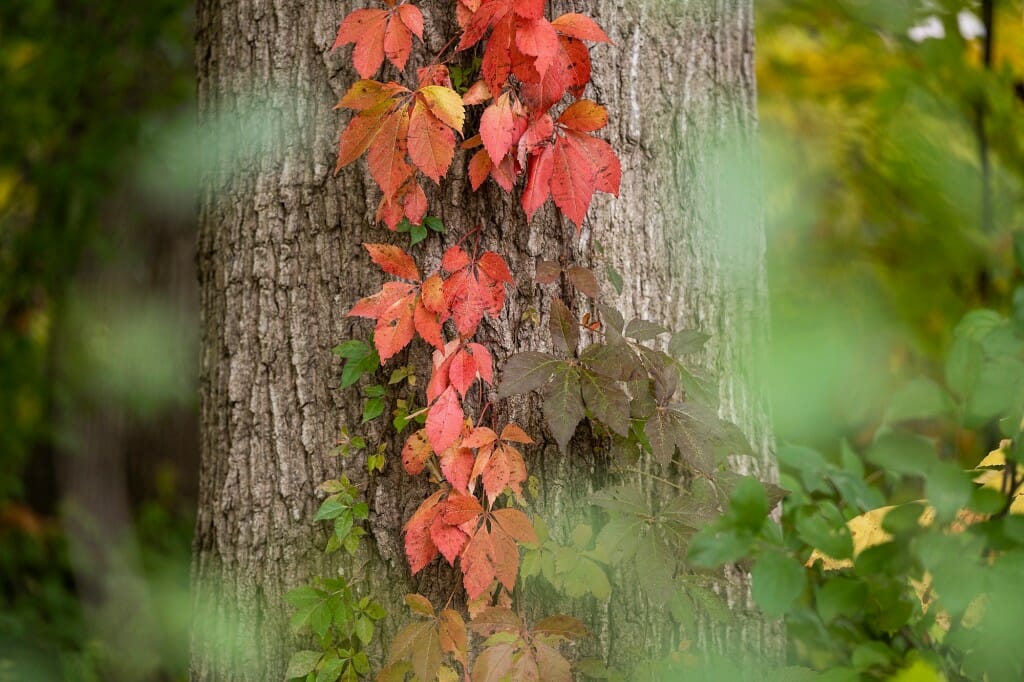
(393, 261)
(431, 143)
(428, 326)
(581, 27)
(397, 42)
(416, 452)
(585, 116)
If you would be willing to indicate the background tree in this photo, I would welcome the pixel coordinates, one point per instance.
(280, 264)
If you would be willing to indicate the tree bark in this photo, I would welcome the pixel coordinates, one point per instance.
(280, 263)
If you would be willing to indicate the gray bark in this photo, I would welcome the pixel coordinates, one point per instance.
(280, 264)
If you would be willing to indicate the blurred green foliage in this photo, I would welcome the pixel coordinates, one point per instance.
(875, 193)
(83, 83)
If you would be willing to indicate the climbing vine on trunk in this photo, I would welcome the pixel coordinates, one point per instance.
(535, 131)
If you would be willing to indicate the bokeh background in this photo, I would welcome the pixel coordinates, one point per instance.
(893, 181)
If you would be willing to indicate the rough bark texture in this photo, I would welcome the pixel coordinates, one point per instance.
(280, 264)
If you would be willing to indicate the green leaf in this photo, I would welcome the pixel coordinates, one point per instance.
(713, 547)
(352, 349)
(331, 670)
(373, 408)
(361, 663)
(777, 581)
(903, 453)
(869, 655)
(565, 331)
(417, 234)
(525, 372)
(330, 509)
(838, 597)
(919, 399)
(614, 277)
(606, 401)
(643, 330)
(829, 535)
(948, 488)
(748, 504)
(686, 342)
(563, 404)
(304, 596)
(302, 663)
(364, 629)
(963, 365)
(375, 391)
(434, 223)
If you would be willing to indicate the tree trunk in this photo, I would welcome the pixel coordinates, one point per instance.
(280, 263)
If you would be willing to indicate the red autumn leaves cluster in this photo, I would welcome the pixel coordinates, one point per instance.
(452, 522)
(529, 65)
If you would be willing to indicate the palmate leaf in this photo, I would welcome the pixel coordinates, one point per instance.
(563, 404)
(606, 401)
(525, 372)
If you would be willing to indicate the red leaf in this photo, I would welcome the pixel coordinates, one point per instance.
(444, 421)
(538, 134)
(476, 565)
(416, 452)
(462, 372)
(499, 129)
(504, 468)
(456, 464)
(393, 261)
(460, 509)
(412, 18)
(484, 362)
(357, 24)
(577, 65)
(504, 174)
(489, 13)
(387, 153)
(538, 39)
(434, 74)
(414, 203)
(497, 59)
(368, 54)
(419, 548)
(454, 259)
(439, 380)
(431, 143)
(395, 328)
(372, 306)
(428, 326)
(581, 27)
(397, 42)
(467, 301)
(495, 267)
(572, 181)
(602, 158)
(538, 181)
(449, 539)
(479, 168)
(585, 116)
(530, 9)
(359, 134)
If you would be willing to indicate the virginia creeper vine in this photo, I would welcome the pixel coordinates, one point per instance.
(535, 129)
